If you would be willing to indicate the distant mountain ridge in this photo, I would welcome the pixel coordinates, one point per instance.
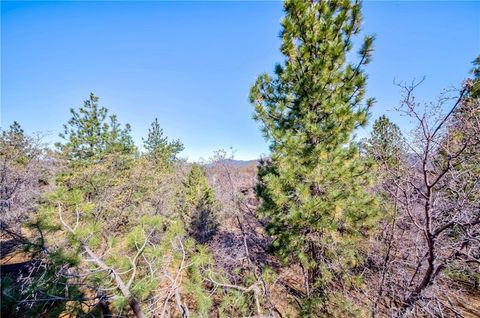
(238, 163)
(241, 163)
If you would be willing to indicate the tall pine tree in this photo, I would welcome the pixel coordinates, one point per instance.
(314, 186)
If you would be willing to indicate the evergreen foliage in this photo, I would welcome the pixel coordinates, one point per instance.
(386, 143)
(91, 133)
(119, 234)
(158, 146)
(199, 205)
(314, 185)
(109, 210)
(474, 91)
(14, 144)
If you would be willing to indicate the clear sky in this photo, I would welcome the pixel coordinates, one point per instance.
(191, 64)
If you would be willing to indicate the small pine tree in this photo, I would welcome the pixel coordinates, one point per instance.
(386, 143)
(199, 206)
(158, 146)
(89, 135)
(14, 144)
(314, 186)
(14, 134)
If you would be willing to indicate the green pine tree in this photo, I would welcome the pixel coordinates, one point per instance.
(15, 134)
(158, 146)
(14, 144)
(90, 133)
(314, 186)
(199, 205)
(386, 143)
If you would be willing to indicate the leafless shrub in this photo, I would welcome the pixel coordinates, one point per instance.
(26, 168)
(435, 197)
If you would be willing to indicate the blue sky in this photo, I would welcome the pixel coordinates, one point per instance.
(191, 64)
